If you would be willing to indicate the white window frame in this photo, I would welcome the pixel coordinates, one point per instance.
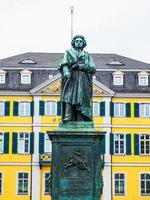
(50, 102)
(22, 103)
(115, 79)
(125, 184)
(21, 149)
(141, 82)
(46, 139)
(2, 189)
(119, 111)
(140, 184)
(27, 61)
(95, 103)
(142, 113)
(1, 152)
(2, 78)
(144, 140)
(119, 140)
(17, 182)
(26, 80)
(44, 185)
(3, 108)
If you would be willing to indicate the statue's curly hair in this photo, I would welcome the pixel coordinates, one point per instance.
(78, 36)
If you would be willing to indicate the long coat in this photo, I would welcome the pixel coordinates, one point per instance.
(77, 90)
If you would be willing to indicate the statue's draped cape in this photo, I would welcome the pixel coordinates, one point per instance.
(77, 90)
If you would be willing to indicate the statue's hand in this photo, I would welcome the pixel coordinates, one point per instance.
(67, 75)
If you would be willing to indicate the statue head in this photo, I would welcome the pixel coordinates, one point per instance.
(78, 42)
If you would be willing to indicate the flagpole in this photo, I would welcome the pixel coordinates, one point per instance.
(71, 9)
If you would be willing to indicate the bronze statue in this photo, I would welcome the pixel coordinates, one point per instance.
(77, 68)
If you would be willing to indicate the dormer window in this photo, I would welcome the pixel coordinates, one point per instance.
(2, 76)
(26, 76)
(115, 62)
(143, 78)
(27, 61)
(118, 77)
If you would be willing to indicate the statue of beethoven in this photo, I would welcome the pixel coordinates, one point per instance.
(77, 68)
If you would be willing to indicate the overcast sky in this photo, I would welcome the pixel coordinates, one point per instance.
(109, 26)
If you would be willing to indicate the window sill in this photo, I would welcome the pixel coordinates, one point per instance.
(145, 194)
(119, 195)
(22, 194)
(120, 154)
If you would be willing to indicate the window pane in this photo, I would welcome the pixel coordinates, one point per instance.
(96, 108)
(119, 143)
(47, 176)
(23, 143)
(1, 108)
(144, 110)
(48, 144)
(50, 108)
(145, 144)
(145, 184)
(119, 109)
(2, 78)
(1, 142)
(23, 183)
(24, 108)
(119, 184)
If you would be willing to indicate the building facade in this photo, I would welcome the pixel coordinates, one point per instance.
(29, 107)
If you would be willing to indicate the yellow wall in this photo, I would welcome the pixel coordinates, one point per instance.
(10, 182)
(132, 182)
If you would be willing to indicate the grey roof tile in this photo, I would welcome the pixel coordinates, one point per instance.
(51, 60)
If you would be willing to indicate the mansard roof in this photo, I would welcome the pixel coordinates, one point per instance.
(46, 64)
(51, 60)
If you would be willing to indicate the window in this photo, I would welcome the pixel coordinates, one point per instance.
(46, 183)
(145, 144)
(118, 77)
(115, 62)
(47, 144)
(27, 61)
(1, 143)
(96, 108)
(25, 78)
(23, 183)
(145, 184)
(23, 143)
(119, 110)
(118, 80)
(1, 183)
(119, 184)
(119, 144)
(24, 108)
(2, 78)
(143, 80)
(144, 109)
(2, 108)
(50, 108)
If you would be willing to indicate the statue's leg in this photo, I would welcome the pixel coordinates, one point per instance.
(68, 112)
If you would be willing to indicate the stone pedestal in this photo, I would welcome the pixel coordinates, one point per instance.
(76, 171)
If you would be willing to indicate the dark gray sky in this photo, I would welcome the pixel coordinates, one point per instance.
(110, 26)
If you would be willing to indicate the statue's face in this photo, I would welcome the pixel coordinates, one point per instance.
(79, 43)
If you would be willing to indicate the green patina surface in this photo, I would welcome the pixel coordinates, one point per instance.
(76, 165)
(76, 169)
